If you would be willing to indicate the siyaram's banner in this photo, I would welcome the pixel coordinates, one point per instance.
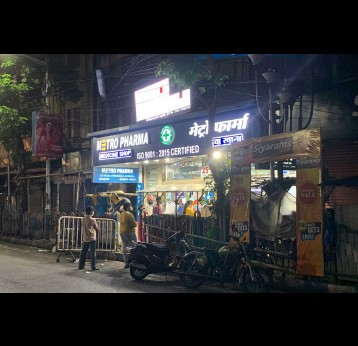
(305, 147)
(277, 147)
(47, 139)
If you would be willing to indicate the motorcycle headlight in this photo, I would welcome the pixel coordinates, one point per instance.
(202, 261)
(128, 250)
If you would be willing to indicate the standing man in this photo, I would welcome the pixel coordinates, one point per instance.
(90, 229)
(128, 226)
(118, 209)
(157, 209)
(149, 205)
(180, 207)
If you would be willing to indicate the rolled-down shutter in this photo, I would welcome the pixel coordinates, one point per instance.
(36, 198)
(66, 198)
(340, 158)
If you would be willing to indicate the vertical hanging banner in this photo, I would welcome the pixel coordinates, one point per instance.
(47, 139)
(305, 147)
(240, 196)
(309, 217)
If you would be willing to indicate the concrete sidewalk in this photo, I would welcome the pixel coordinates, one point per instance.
(40, 243)
(290, 283)
(293, 283)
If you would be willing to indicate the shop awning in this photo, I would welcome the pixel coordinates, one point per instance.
(193, 185)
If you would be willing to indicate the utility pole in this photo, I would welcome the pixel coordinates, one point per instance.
(270, 76)
(48, 162)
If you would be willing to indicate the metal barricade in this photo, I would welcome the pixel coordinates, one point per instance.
(70, 235)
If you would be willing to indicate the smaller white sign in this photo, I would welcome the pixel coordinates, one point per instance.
(205, 171)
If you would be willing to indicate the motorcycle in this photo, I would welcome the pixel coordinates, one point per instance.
(229, 264)
(146, 258)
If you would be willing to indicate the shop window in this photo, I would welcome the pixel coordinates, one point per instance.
(151, 176)
(183, 170)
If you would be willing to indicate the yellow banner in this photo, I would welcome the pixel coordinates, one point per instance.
(240, 196)
(309, 218)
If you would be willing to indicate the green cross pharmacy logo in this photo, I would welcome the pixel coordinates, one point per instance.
(167, 135)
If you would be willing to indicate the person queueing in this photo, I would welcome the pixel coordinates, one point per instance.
(90, 229)
(157, 209)
(189, 208)
(180, 208)
(127, 231)
(117, 211)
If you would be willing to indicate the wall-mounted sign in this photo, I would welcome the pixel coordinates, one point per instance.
(47, 137)
(204, 171)
(115, 154)
(288, 164)
(115, 175)
(226, 140)
(189, 137)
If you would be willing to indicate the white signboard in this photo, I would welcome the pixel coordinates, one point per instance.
(155, 101)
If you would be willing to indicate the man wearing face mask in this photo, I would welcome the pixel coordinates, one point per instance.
(90, 229)
(128, 227)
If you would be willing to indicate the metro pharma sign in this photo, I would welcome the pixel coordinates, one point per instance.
(115, 175)
(186, 138)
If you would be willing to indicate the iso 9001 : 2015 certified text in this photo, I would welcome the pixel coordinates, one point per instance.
(161, 153)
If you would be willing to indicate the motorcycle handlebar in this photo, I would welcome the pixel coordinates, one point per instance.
(180, 232)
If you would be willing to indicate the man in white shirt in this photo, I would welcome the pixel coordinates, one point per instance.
(169, 207)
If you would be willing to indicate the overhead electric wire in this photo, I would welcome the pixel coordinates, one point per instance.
(133, 64)
(129, 61)
(132, 72)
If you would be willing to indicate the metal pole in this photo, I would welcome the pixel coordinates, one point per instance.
(8, 186)
(272, 172)
(48, 187)
(58, 197)
(48, 162)
(300, 114)
(270, 77)
(28, 204)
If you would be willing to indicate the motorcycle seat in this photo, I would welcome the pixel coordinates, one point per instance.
(158, 249)
(157, 245)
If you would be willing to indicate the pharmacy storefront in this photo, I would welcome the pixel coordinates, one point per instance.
(172, 148)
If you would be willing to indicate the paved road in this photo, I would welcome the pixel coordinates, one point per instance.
(27, 269)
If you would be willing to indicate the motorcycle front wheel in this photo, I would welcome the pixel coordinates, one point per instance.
(190, 265)
(138, 274)
(260, 282)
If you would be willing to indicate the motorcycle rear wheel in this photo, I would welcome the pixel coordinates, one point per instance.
(261, 282)
(138, 274)
(190, 265)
